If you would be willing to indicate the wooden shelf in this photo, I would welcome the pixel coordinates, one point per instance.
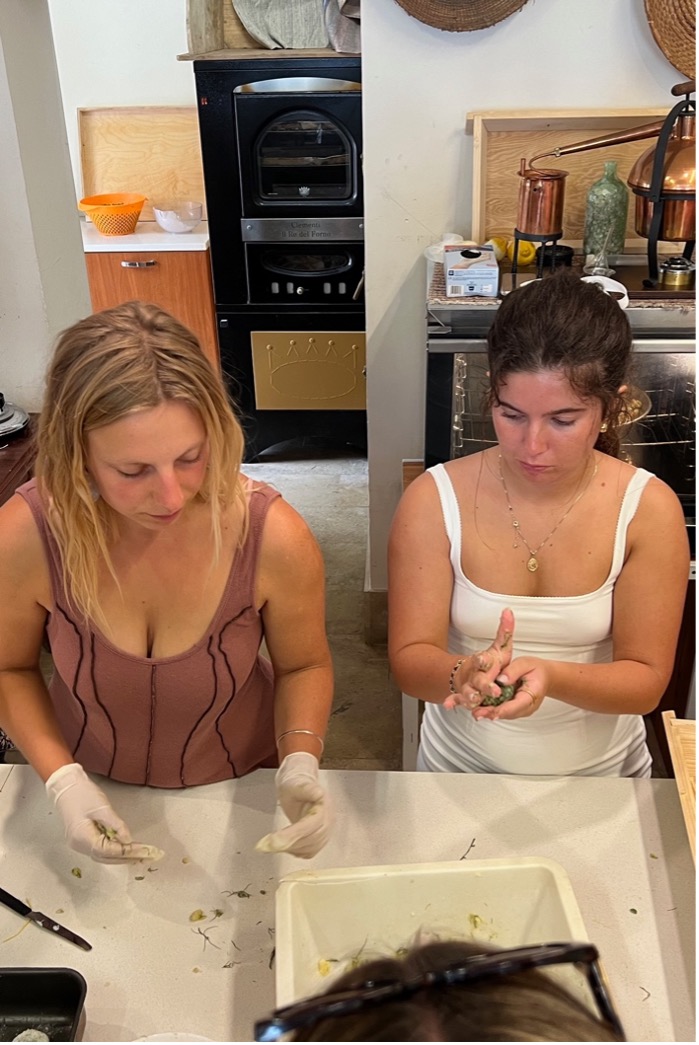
(216, 33)
(681, 738)
(151, 149)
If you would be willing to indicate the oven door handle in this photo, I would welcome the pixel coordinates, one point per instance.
(360, 285)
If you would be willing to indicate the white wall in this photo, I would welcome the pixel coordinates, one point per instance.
(119, 52)
(43, 284)
(419, 83)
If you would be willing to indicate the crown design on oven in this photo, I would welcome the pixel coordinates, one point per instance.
(304, 190)
(312, 370)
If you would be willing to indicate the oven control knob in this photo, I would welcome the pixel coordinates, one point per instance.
(300, 290)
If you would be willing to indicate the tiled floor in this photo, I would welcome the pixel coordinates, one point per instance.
(331, 493)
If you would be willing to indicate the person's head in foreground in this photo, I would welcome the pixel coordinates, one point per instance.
(455, 992)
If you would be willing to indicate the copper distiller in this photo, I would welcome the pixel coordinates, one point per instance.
(663, 181)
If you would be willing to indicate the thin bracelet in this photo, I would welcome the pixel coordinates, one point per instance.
(309, 732)
(452, 677)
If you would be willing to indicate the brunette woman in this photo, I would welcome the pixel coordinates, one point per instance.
(547, 562)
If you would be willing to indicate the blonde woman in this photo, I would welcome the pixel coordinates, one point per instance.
(155, 569)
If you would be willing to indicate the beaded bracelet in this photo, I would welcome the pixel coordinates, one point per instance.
(309, 732)
(452, 677)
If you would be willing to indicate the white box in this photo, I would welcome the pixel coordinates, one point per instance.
(326, 920)
(470, 271)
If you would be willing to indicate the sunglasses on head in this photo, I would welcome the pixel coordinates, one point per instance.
(470, 970)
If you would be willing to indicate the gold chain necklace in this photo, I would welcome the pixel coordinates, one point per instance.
(532, 561)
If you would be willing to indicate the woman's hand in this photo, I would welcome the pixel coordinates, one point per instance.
(91, 825)
(530, 675)
(305, 802)
(475, 679)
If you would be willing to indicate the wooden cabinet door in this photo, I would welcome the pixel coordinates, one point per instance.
(178, 281)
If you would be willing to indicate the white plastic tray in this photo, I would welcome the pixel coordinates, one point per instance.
(328, 920)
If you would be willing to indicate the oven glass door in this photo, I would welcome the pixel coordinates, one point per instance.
(299, 152)
(303, 155)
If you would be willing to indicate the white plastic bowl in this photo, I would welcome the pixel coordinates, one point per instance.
(178, 215)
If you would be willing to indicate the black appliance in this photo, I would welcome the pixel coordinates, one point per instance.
(281, 145)
(13, 419)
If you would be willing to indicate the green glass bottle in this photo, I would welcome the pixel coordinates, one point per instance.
(605, 213)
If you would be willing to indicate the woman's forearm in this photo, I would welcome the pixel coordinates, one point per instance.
(622, 687)
(28, 718)
(302, 704)
(428, 673)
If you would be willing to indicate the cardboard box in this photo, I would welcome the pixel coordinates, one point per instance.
(470, 271)
(329, 920)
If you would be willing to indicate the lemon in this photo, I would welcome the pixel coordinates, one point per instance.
(499, 245)
(525, 254)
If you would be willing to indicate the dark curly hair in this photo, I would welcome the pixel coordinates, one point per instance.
(525, 1006)
(562, 323)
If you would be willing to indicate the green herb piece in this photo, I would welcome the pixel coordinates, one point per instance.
(506, 693)
(106, 832)
(242, 893)
(76, 872)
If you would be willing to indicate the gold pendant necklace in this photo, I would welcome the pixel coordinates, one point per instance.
(532, 561)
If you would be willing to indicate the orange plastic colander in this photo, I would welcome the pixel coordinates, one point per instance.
(114, 213)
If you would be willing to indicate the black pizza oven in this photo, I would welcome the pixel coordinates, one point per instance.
(282, 149)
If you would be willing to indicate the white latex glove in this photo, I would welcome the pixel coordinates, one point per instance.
(92, 826)
(306, 804)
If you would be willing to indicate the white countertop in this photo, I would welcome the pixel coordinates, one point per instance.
(622, 842)
(148, 236)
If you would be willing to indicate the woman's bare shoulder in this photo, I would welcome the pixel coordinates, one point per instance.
(660, 504)
(286, 534)
(21, 550)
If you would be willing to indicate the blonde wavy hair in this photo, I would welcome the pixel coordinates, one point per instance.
(127, 358)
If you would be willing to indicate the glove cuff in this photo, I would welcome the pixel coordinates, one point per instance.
(63, 777)
(300, 762)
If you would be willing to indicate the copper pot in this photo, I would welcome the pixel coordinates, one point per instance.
(541, 197)
(679, 176)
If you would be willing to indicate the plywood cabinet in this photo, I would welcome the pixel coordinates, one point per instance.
(179, 281)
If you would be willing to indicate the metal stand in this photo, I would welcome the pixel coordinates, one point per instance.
(544, 240)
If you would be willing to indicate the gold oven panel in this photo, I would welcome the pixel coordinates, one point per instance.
(309, 370)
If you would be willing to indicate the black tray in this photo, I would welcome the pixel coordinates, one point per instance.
(48, 1000)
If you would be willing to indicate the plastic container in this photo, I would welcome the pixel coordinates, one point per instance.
(114, 213)
(178, 215)
(326, 921)
(48, 1000)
